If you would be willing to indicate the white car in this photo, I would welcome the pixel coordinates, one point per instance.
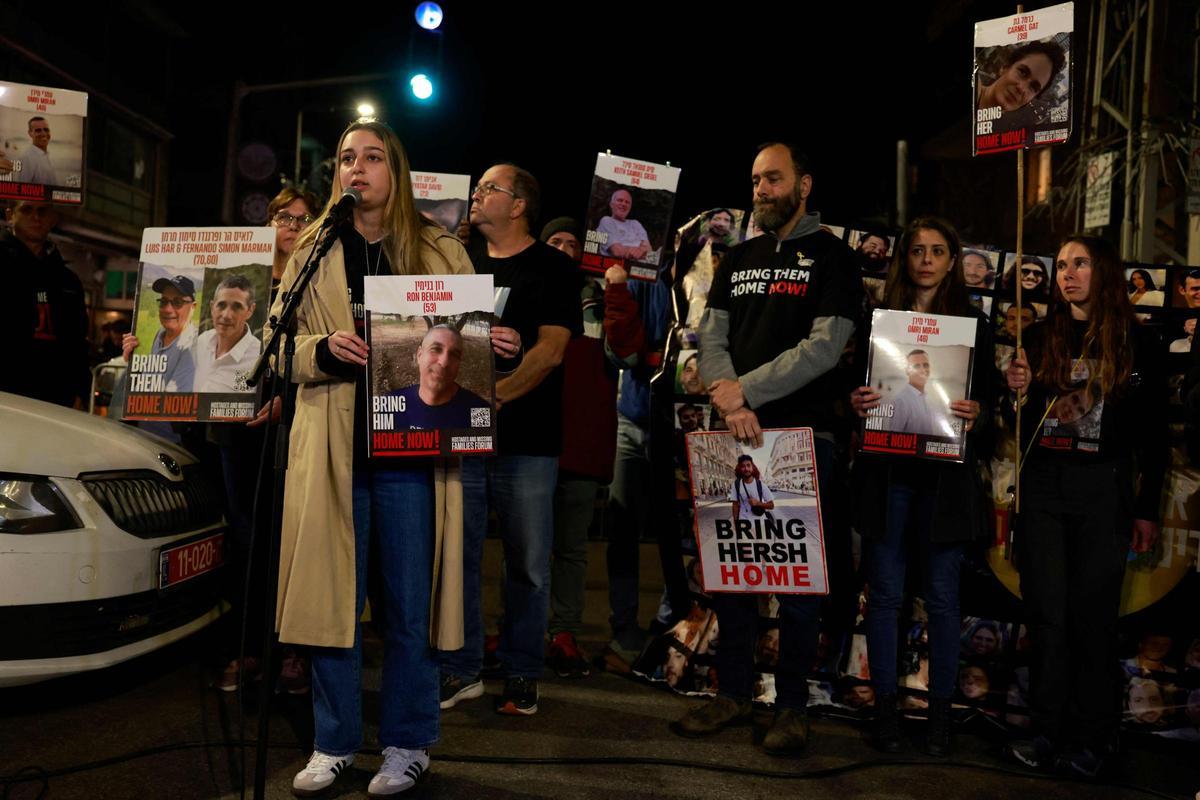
(111, 542)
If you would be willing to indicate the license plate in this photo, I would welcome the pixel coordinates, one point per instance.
(183, 562)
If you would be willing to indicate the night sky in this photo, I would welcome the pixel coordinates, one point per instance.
(547, 87)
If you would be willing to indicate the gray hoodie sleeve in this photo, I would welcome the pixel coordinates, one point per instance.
(715, 362)
(797, 367)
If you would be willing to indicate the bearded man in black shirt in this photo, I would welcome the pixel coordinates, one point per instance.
(781, 309)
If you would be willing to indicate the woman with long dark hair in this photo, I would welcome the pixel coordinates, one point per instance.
(1089, 492)
(338, 502)
(930, 507)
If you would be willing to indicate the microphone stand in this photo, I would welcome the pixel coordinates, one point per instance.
(283, 325)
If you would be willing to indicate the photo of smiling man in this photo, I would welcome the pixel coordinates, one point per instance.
(171, 358)
(226, 353)
(437, 401)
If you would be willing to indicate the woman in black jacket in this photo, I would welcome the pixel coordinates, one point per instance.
(1094, 390)
(935, 506)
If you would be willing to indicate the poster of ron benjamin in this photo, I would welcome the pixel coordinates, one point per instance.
(1021, 84)
(629, 215)
(431, 378)
(919, 363)
(42, 141)
(442, 197)
(202, 300)
(758, 522)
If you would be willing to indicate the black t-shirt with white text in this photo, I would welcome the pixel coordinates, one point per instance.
(773, 291)
(537, 286)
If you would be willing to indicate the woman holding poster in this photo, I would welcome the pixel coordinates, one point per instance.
(337, 501)
(1087, 497)
(932, 506)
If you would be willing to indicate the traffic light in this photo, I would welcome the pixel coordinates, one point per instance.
(424, 62)
(422, 86)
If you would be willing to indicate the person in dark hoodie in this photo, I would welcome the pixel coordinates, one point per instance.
(781, 309)
(589, 445)
(42, 315)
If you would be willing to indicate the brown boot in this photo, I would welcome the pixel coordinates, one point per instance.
(788, 734)
(713, 716)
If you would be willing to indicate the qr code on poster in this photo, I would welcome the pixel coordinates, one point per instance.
(481, 418)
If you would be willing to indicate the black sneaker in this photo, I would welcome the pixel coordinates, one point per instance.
(455, 689)
(519, 698)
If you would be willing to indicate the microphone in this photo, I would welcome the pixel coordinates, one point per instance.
(349, 201)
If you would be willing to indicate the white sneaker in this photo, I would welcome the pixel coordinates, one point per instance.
(319, 774)
(401, 771)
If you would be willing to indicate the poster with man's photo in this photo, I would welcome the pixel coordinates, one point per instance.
(42, 153)
(874, 251)
(919, 363)
(758, 520)
(981, 268)
(629, 216)
(1036, 274)
(431, 381)
(1021, 81)
(202, 301)
(442, 197)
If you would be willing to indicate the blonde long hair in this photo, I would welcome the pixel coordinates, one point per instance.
(406, 248)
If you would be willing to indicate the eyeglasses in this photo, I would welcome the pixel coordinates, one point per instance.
(484, 189)
(285, 220)
(1032, 271)
(175, 302)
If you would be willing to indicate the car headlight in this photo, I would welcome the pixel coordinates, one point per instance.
(33, 505)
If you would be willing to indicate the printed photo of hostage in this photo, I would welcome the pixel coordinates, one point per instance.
(918, 400)
(758, 524)
(437, 400)
(431, 377)
(979, 268)
(39, 148)
(1034, 274)
(1146, 287)
(687, 375)
(160, 351)
(1186, 290)
(1021, 87)
(874, 249)
(629, 216)
(228, 347)
(1009, 318)
(1012, 78)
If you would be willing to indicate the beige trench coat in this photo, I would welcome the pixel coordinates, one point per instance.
(316, 559)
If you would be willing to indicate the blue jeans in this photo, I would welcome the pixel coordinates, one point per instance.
(799, 626)
(396, 506)
(520, 489)
(624, 521)
(910, 509)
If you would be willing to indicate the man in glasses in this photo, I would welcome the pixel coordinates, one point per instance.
(43, 323)
(175, 339)
(538, 290)
(34, 164)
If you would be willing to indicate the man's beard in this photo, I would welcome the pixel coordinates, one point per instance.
(771, 215)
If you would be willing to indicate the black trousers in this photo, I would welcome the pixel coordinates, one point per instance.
(1076, 525)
